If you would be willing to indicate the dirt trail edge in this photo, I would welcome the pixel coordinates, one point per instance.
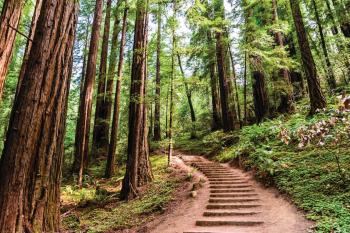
(229, 201)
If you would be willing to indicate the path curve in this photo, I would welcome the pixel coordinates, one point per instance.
(230, 201)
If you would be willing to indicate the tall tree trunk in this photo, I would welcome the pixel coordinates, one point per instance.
(245, 89)
(217, 121)
(317, 99)
(167, 112)
(29, 42)
(84, 121)
(189, 98)
(9, 21)
(157, 130)
(101, 127)
(226, 111)
(235, 84)
(137, 139)
(330, 74)
(228, 118)
(261, 101)
(286, 98)
(115, 119)
(170, 133)
(30, 166)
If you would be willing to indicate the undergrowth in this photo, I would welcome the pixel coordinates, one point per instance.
(118, 215)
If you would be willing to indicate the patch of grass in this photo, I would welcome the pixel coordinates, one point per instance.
(123, 215)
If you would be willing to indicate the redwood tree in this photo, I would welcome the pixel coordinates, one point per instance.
(157, 130)
(228, 115)
(138, 168)
(115, 119)
(103, 111)
(83, 122)
(317, 99)
(30, 166)
(10, 17)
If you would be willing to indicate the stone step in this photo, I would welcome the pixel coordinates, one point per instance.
(221, 213)
(241, 190)
(219, 176)
(230, 200)
(227, 182)
(230, 186)
(221, 173)
(227, 195)
(231, 206)
(227, 223)
(226, 179)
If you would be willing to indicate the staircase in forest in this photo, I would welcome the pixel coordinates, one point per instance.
(233, 203)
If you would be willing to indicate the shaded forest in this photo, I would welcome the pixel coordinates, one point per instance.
(98, 98)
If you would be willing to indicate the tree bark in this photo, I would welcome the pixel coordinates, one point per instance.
(317, 99)
(29, 43)
(235, 85)
(330, 74)
(137, 140)
(9, 21)
(157, 129)
(102, 113)
(30, 166)
(110, 169)
(217, 121)
(84, 121)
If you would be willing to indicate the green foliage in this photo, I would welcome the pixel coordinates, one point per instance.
(120, 215)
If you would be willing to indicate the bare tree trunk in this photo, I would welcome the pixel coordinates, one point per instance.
(101, 127)
(137, 139)
(30, 166)
(115, 119)
(157, 130)
(228, 117)
(170, 149)
(226, 111)
(29, 43)
(217, 122)
(84, 121)
(236, 87)
(317, 99)
(330, 74)
(167, 113)
(189, 99)
(245, 89)
(9, 21)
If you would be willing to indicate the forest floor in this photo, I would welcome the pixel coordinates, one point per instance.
(96, 208)
(172, 204)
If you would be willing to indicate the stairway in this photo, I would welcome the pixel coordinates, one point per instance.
(232, 203)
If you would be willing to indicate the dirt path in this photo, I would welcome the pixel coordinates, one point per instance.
(229, 201)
